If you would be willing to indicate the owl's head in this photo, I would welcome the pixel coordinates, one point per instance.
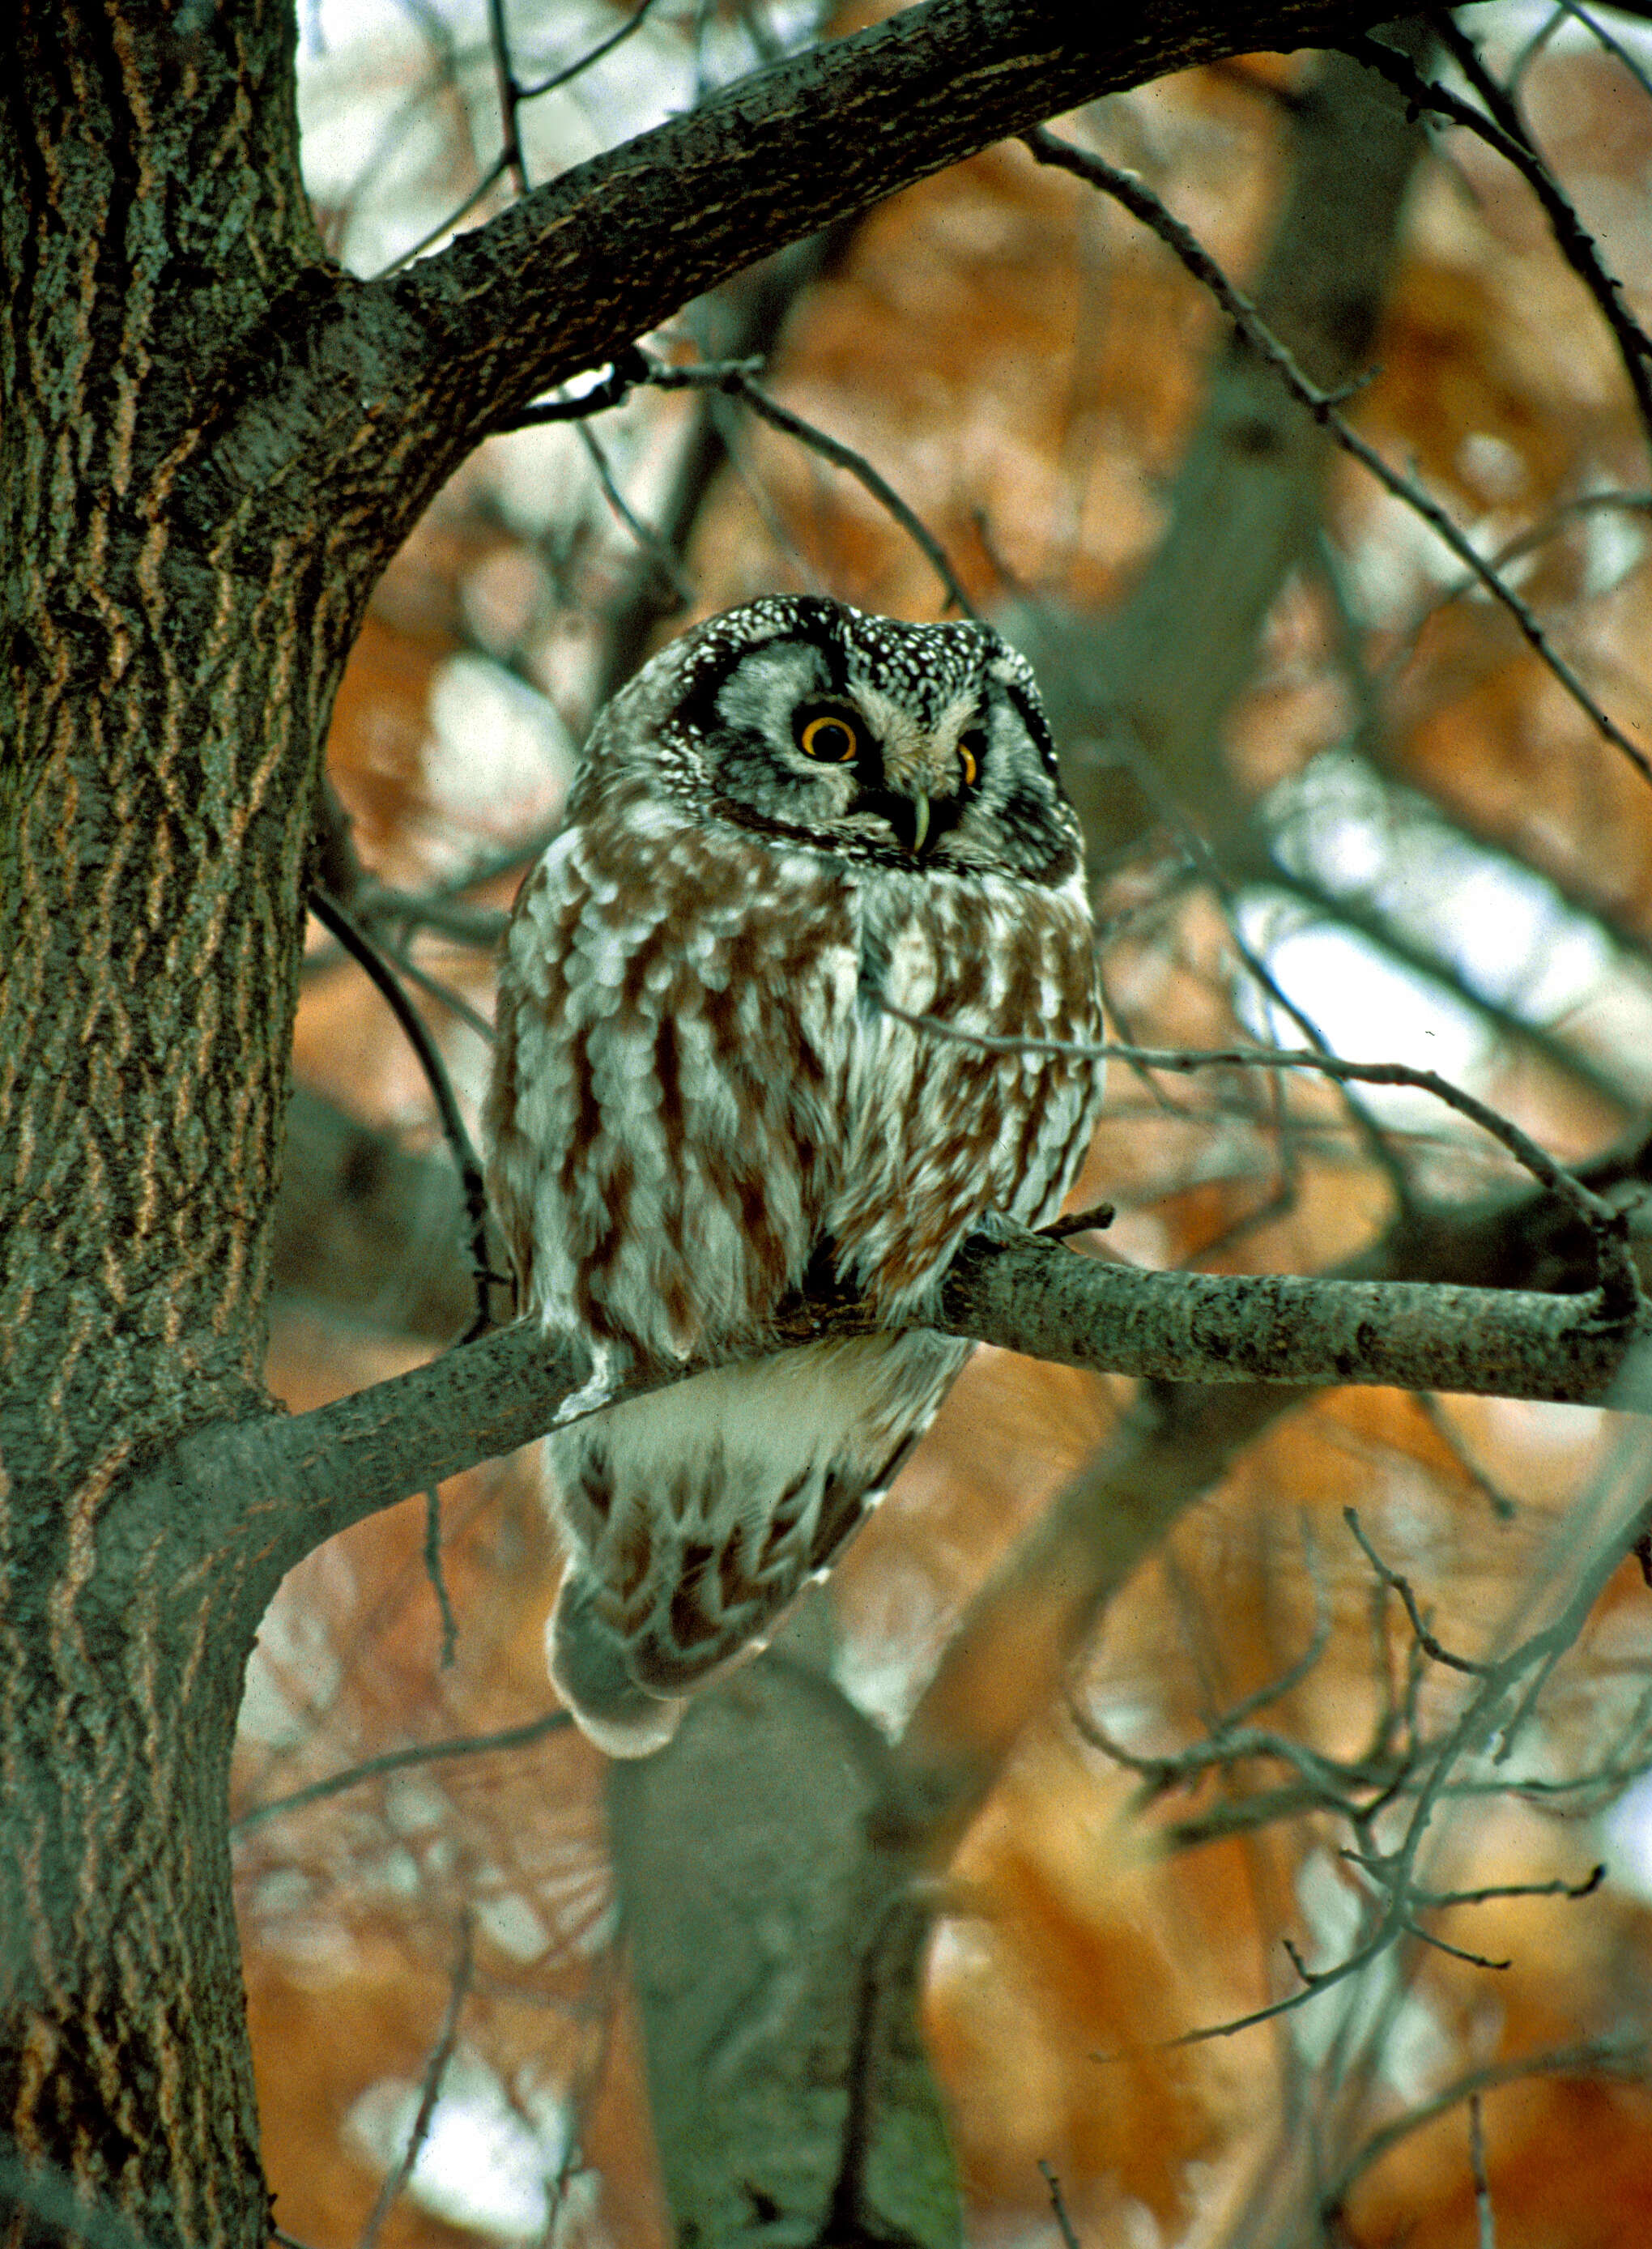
(916, 747)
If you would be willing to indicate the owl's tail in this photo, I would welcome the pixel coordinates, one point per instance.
(589, 1671)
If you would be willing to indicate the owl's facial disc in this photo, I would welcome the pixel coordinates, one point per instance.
(909, 747)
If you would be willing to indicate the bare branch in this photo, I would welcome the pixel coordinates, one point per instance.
(1436, 1899)
(1619, 1280)
(461, 1745)
(1485, 2229)
(593, 55)
(510, 96)
(438, 1577)
(1613, 47)
(634, 369)
(1617, 2056)
(333, 917)
(301, 1480)
(1064, 2225)
(1139, 199)
(1504, 130)
(1395, 1584)
(441, 2054)
(844, 457)
(405, 374)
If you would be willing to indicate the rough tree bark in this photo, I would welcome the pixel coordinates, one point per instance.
(213, 439)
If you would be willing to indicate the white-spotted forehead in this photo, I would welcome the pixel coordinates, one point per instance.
(765, 687)
(917, 683)
(924, 669)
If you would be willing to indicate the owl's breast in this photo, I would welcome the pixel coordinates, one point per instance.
(938, 1129)
(672, 1040)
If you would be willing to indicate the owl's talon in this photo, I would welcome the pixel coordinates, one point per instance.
(1096, 1220)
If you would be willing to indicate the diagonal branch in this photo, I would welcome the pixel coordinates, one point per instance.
(402, 376)
(1505, 129)
(1143, 203)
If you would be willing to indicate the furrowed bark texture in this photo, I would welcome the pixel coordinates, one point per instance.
(167, 672)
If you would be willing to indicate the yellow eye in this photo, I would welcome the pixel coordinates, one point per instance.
(831, 738)
(970, 747)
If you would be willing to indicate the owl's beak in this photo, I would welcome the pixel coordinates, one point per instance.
(920, 821)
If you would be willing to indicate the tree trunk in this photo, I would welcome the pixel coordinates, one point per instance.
(171, 664)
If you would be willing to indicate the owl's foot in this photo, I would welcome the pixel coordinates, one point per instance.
(1096, 1218)
(589, 1672)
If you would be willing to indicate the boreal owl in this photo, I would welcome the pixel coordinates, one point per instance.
(796, 813)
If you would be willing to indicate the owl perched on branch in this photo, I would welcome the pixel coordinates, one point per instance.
(792, 815)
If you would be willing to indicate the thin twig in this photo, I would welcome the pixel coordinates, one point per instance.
(1483, 1715)
(444, 994)
(1329, 1782)
(1455, 1951)
(490, 178)
(1140, 200)
(633, 369)
(1619, 1278)
(1436, 1900)
(482, 926)
(1441, 1423)
(844, 457)
(1425, 1639)
(1504, 130)
(1310, 1977)
(628, 370)
(458, 1745)
(510, 96)
(1623, 2055)
(1613, 47)
(646, 537)
(441, 2054)
(333, 918)
(438, 1581)
(1064, 2223)
(1225, 1742)
(1534, 46)
(1371, 1135)
(592, 55)
(1275, 1690)
(1513, 549)
(1096, 1218)
(1485, 2229)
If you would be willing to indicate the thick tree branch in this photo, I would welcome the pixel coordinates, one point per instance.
(301, 1481)
(399, 378)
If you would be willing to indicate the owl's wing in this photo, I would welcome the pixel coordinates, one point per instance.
(940, 1132)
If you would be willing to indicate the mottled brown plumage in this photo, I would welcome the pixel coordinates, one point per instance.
(793, 814)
